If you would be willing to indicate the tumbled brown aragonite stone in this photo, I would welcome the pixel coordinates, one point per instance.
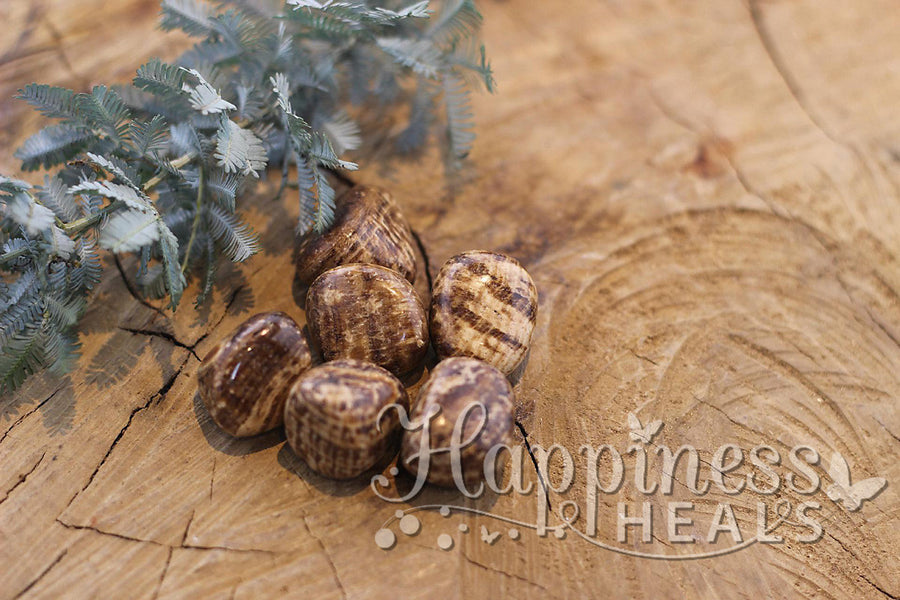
(331, 417)
(369, 313)
(245, 379)
(368, 228)
(455, 384)
(483, 305)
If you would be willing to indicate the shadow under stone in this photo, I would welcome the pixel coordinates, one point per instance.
(333, 487)
(228, 444)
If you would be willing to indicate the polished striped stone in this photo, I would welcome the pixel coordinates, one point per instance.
(369, 313)
(458, 385)
(332, 416)
(244, 380)
(484, 305)
(368, 228)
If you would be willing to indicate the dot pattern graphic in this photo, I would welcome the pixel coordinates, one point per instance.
(445, 542)
(385, 539)
(410, 525)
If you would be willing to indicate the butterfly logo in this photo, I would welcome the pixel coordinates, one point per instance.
(641, 433)
(488, 537)
(841, 490)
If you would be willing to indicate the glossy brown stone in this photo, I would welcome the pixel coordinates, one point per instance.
(369, 313)
(457, 384)
(331, 417)
(483, 305)
(368, 228)
(245, 379)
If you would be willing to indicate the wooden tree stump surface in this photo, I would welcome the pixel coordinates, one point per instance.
(708, 197)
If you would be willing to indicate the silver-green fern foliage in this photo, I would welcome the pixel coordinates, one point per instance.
(156, 168)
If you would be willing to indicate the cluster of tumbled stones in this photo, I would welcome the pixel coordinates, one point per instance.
(373, 331)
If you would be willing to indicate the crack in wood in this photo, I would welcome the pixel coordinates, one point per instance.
(642, 357)
(660, 540)
(212, 479)
(181, 546)
(727, 416)
(30, 412)
(334, 571)
(187, 528)
(739, 175)
(228, 306)
(879, 588)
(164, 335)
(540, 476)
(22, 478)
(159, 394)
(673, 116)
(841, 544)
(226, 549)
(475, 563)
(767, 41)
(890, 433)
(231, 300)
(162, 577)
(120, 536)
(192, 348)
(42, 574)
(118, 437)
(751, 189)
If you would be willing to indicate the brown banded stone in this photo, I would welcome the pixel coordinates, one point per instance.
(331, 417)
(368, 228)
(369, 313)
(244, 380)
(457, 384)
(483, 305)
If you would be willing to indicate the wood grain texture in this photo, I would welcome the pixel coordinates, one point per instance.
(706, 194)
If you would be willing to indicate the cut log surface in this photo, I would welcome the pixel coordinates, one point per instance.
(707, 195)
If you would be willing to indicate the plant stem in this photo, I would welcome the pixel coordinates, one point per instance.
(79, 225)
(196, 224)
(11, 256)
(177, 163)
